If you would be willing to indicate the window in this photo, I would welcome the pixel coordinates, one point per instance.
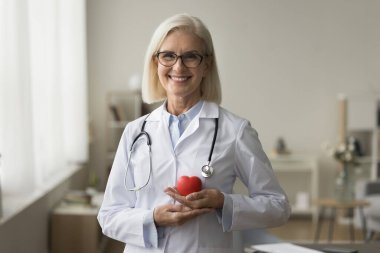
(43, 91)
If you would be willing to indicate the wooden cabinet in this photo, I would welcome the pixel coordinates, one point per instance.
(75, 229)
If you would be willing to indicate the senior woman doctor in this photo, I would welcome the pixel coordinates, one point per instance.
(141, 206)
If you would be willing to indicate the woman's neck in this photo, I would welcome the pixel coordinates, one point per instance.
(177, 106)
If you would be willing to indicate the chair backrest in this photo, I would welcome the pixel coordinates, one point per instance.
(372, 188)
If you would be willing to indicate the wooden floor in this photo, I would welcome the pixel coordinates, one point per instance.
(303, 230)
(114, 247)
(297, 230)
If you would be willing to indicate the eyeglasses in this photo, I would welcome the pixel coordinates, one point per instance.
(189, 59)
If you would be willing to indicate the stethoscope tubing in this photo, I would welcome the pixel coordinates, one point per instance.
(149, 175)
(213, 141)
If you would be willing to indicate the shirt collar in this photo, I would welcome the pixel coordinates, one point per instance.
(189, 114)
(208, 110)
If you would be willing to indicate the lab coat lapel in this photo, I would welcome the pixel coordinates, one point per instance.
(162, 131)
(191, 128)
(209, 110)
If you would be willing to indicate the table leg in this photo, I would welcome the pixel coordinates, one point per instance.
(332, 221)
(319, 223)
(364, 223)
(352, 232)
(369, 236)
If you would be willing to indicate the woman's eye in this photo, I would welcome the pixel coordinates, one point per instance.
(168, 56)
(190, 56)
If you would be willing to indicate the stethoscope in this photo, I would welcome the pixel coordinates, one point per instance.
(207, 170)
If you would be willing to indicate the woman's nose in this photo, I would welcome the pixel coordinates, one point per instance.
(179, 64)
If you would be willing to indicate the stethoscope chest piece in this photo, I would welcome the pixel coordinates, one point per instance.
(207, 171)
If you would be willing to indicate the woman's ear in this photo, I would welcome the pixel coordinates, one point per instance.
(154, 59)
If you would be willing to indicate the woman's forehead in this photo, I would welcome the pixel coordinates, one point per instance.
(182, 40)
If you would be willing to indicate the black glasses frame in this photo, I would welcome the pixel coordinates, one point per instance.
(179, 56)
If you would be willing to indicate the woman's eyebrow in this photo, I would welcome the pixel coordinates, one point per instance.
(185, 52)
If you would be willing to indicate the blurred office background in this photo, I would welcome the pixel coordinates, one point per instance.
(70, 74)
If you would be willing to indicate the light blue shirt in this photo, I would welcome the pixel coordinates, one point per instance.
(178, 124)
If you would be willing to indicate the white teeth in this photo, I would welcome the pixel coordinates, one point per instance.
(177, 78)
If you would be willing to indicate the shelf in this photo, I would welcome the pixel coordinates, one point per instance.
(362, 124)
(290, 168)
(364, 160)
(303, 211)
(301, 193)
(117, 124)
(123, 106)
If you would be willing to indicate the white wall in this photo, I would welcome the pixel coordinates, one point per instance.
(282, 63)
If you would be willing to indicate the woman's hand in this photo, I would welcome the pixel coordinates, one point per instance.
(206, 198)
(176, 215)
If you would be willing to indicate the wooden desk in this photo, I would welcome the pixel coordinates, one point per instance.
(75, 229)
(334, 204)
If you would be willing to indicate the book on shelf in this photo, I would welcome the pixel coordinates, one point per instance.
(118, 112)
(114, 112)
(121, 112)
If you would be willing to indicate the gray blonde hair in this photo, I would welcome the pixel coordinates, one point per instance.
(152, 90)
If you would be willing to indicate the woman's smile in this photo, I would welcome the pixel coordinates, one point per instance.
(177, 78)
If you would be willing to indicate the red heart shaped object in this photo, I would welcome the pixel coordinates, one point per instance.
(187, 185)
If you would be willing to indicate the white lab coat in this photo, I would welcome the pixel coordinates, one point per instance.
(128, 216)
